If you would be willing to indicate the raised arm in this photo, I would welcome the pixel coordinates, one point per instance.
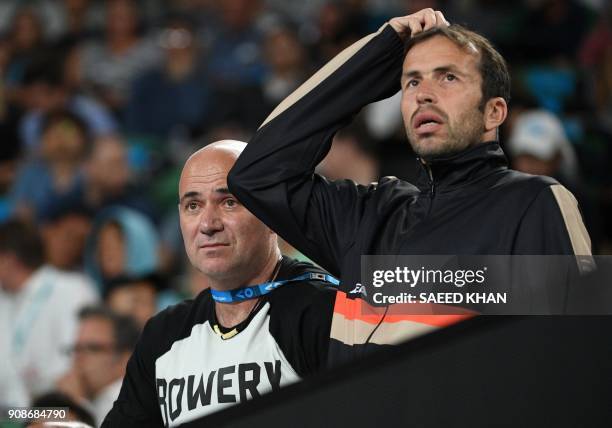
(274, 177)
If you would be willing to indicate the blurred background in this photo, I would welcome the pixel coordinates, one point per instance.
(101, 102)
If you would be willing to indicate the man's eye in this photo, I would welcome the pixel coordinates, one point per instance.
(230, 203)
(192, 206)
(412, 83)
(450, 77)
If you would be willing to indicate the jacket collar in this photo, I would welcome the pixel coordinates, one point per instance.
(447, 172)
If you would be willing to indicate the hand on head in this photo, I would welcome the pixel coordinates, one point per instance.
(423, 20)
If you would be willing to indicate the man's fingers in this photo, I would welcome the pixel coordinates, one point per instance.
(441, 20)
(397, 25)
(429, 19)
(406, 25)
(413, 24)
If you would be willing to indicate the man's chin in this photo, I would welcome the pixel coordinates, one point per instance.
(429, 147)
(214, 270)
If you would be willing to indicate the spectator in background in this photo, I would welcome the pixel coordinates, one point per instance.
(76, 412)
(47, 89)
(107, 154)
(10, 149)
(96, 189)
(236, 66)
(53, 14)
(102, 189)
(25, 38)
(122, 242)
(175, 93)
(64, 228)
(235, 57)
(9, 163)
(78, 20)
(545, 35)
(58, 170)
(10, 108)
(334, 32)
(109, 67)
(501, 21)
(352, 156)
(539, 146)
(286, 59)
(596, 58)
(135, 296)
(103, 346)
(38, 315)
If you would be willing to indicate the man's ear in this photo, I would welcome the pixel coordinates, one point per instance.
(495, 113)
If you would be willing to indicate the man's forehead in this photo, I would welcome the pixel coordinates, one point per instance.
(437, 50)
(203, 183)
(97, 325)
(207, 167)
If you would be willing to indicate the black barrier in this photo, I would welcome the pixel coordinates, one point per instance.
(484, 372)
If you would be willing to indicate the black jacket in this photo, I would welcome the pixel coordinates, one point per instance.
(468, 203)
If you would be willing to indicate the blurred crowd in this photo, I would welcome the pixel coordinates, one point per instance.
(101, 102)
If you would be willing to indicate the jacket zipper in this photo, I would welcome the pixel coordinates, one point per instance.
(432, 187)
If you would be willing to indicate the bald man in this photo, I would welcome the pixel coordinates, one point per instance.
(259, 326)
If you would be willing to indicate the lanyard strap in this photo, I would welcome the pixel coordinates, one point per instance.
(253, 291)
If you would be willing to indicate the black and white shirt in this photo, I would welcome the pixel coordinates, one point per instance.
(182, 369)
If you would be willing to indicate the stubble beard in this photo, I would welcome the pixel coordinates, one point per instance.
(466, 131)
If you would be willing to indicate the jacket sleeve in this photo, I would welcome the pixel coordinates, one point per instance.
(553, 225)
(137, 404)
(274, 177)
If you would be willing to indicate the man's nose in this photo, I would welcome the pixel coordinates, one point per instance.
(425, 93)
(210, 220)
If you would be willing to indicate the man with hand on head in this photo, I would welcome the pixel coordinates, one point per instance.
(263, 323)
(455, 88)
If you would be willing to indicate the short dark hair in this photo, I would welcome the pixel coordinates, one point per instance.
(46, 67)
(23, 240)
(125, 328)
(62, 207)
(492, 66)
(111, 284)
(59, 399)
(59, 116)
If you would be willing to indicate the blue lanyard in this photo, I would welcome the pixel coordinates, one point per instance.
(246, 293)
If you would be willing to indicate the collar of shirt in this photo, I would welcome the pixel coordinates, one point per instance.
(462, 168)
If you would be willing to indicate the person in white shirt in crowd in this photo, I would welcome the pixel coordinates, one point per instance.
(38, 315)
(539, 145)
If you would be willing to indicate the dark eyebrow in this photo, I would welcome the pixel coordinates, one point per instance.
(446, 68)
(441, 69)
(188, 195)
(223, 190)
(412, 73)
